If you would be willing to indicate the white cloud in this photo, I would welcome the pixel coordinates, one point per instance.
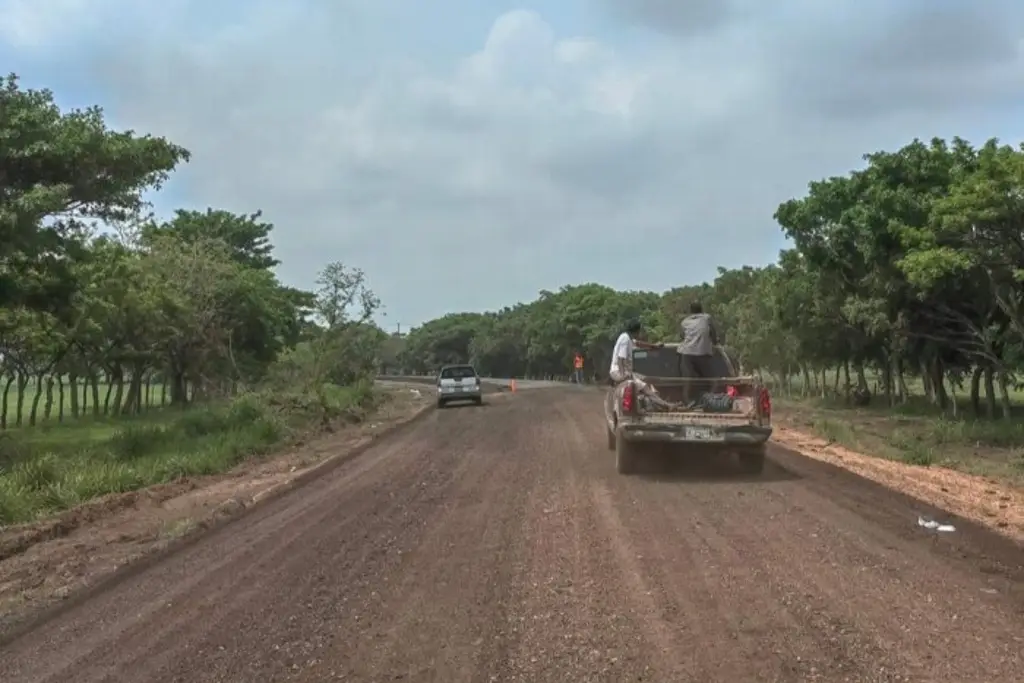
(23, 24)
(536, 158)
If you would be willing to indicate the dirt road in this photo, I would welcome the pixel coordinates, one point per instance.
(497, 544)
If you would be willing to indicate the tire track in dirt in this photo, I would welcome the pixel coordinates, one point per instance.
(440, 614)
(565, 626)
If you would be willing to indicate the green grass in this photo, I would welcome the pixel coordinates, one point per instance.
(916, 433)
(53, 468)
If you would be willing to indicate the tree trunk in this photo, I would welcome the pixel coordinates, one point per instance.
(179, 395)
(887, 382)
(990, 394)
(901, 381)
(847, 382)
(938, 375)
(60, 397)
(118, 385)
(73, 385)
(200, 390)
(807, 387)
(954, 402)
(4, 403)
(926, 380)
(1004, 395)
(163, 393)
(835, 385)
(106, 397)
(133, 400)
(862, 379)
(976, 390)
(94, 380)
(48, 406)
(19, 408)
(34, 410)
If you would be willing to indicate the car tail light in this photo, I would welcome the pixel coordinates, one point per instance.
(732, 392)
(628, 396)
(766, 403)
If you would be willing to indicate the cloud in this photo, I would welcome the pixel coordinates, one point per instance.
(470, 156)
(671, 16)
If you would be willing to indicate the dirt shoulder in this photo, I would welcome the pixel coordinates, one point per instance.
(995, 501)
(47, 561)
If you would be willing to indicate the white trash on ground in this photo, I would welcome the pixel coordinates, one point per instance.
(932, 525)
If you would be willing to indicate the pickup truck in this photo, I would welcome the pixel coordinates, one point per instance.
(724, 414)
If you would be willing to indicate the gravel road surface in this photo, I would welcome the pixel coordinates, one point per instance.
(498, 544)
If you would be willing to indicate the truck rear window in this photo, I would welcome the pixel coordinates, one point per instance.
(458, 372)
(664, 362)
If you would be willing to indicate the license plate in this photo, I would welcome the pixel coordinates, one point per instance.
(700, 433)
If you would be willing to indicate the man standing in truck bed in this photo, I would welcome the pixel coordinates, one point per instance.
(697, 351)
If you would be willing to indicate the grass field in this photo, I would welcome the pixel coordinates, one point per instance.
(915, 432)
(54, 466)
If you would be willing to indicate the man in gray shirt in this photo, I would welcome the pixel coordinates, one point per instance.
(699, 338)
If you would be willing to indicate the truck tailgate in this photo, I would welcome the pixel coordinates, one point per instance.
(739, 414)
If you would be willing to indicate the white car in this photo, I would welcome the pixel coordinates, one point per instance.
(458, 383)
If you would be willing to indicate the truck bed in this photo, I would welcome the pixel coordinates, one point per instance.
(721, 397)
(736, 416)
(727, 412)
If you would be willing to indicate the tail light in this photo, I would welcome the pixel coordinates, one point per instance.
(732, 392)
(766, 403)
(628, 396)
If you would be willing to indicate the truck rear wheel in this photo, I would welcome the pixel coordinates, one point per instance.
(625, 455)
(752, 459)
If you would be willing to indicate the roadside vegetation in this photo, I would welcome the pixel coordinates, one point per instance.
(134, 350)
(895, 324)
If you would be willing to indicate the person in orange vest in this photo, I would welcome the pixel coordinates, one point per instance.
(577, 365)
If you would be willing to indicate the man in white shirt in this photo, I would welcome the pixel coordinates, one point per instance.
(622, 354)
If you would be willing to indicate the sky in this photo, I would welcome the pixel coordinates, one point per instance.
(468, 153)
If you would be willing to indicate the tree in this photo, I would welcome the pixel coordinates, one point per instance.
(247, 238)
(60, 172)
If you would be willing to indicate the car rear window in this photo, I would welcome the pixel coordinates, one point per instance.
(458, 372)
